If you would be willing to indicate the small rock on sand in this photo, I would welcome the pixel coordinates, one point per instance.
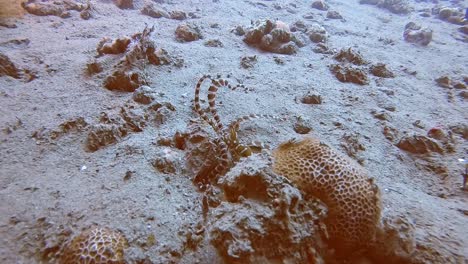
(187, 33)
(7, 67)
(320, 5)
(334, 15)
(418, 144)
(153, 11)
(417, 35)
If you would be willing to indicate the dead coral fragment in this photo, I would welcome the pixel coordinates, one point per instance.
(320, 5)
(113, 127)
(7, 67)
(248, 61)
(415, 34)
(334, 15)
(311, 98)
(380, 70)
(97, 245)
(271, 36)
(351, 56)
(349, 74)
(124, 81)
(394, 6)
(124, 4)
(419, 145)
(106, 46)
(178, 15)
(344, 72)
(352, 197)
(395, 241)
(213, 43)
(317, 33)
(52, 8)
(74, 125)
(187, 33)
(139, 51)
(101, 136)
(153, 11)
(265, 219)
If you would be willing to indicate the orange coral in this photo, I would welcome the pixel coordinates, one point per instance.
(96, 245)
(352, 197)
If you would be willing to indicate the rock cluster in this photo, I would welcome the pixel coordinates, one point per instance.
(416, 34)
(394, 6)
(272, 36)
(263, 212)
(60, 8)
(125, 73)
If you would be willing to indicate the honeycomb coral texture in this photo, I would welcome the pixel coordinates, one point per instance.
(352, 198)
(95, 246)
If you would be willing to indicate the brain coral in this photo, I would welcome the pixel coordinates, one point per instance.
(97, 246)
(352, 198)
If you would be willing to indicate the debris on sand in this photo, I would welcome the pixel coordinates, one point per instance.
(87, 12)
(418, 144)
(113, 127)
(346, 72)
(78, 124)
(444, 81)
(463, 94)
(144, 95)
(323, 49)
(320, 5)
(214, 43)
(310, 98)
(334, 15)
(350, 56)
(451, 15)
(107, 46)
(262, 212)
(188, 32)
(58, 8)
(390, 133)
(178, 15)
(248, 61)
(461, 130)
(416, 34)
(271, 36)
(93, 67)
(317, 33)
(153, 11)
(156, 11)
(381, 70)
(126, 72)
(302, 126)
(395, 242)
(168, 161)
(110, 132)
(8, 68)
(452, 84)
(394, 6)
(124, 81)
(124, 4)
(352, 146)
(463, 29)
(349, 74)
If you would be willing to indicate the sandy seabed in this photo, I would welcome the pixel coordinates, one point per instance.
(92, 136)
